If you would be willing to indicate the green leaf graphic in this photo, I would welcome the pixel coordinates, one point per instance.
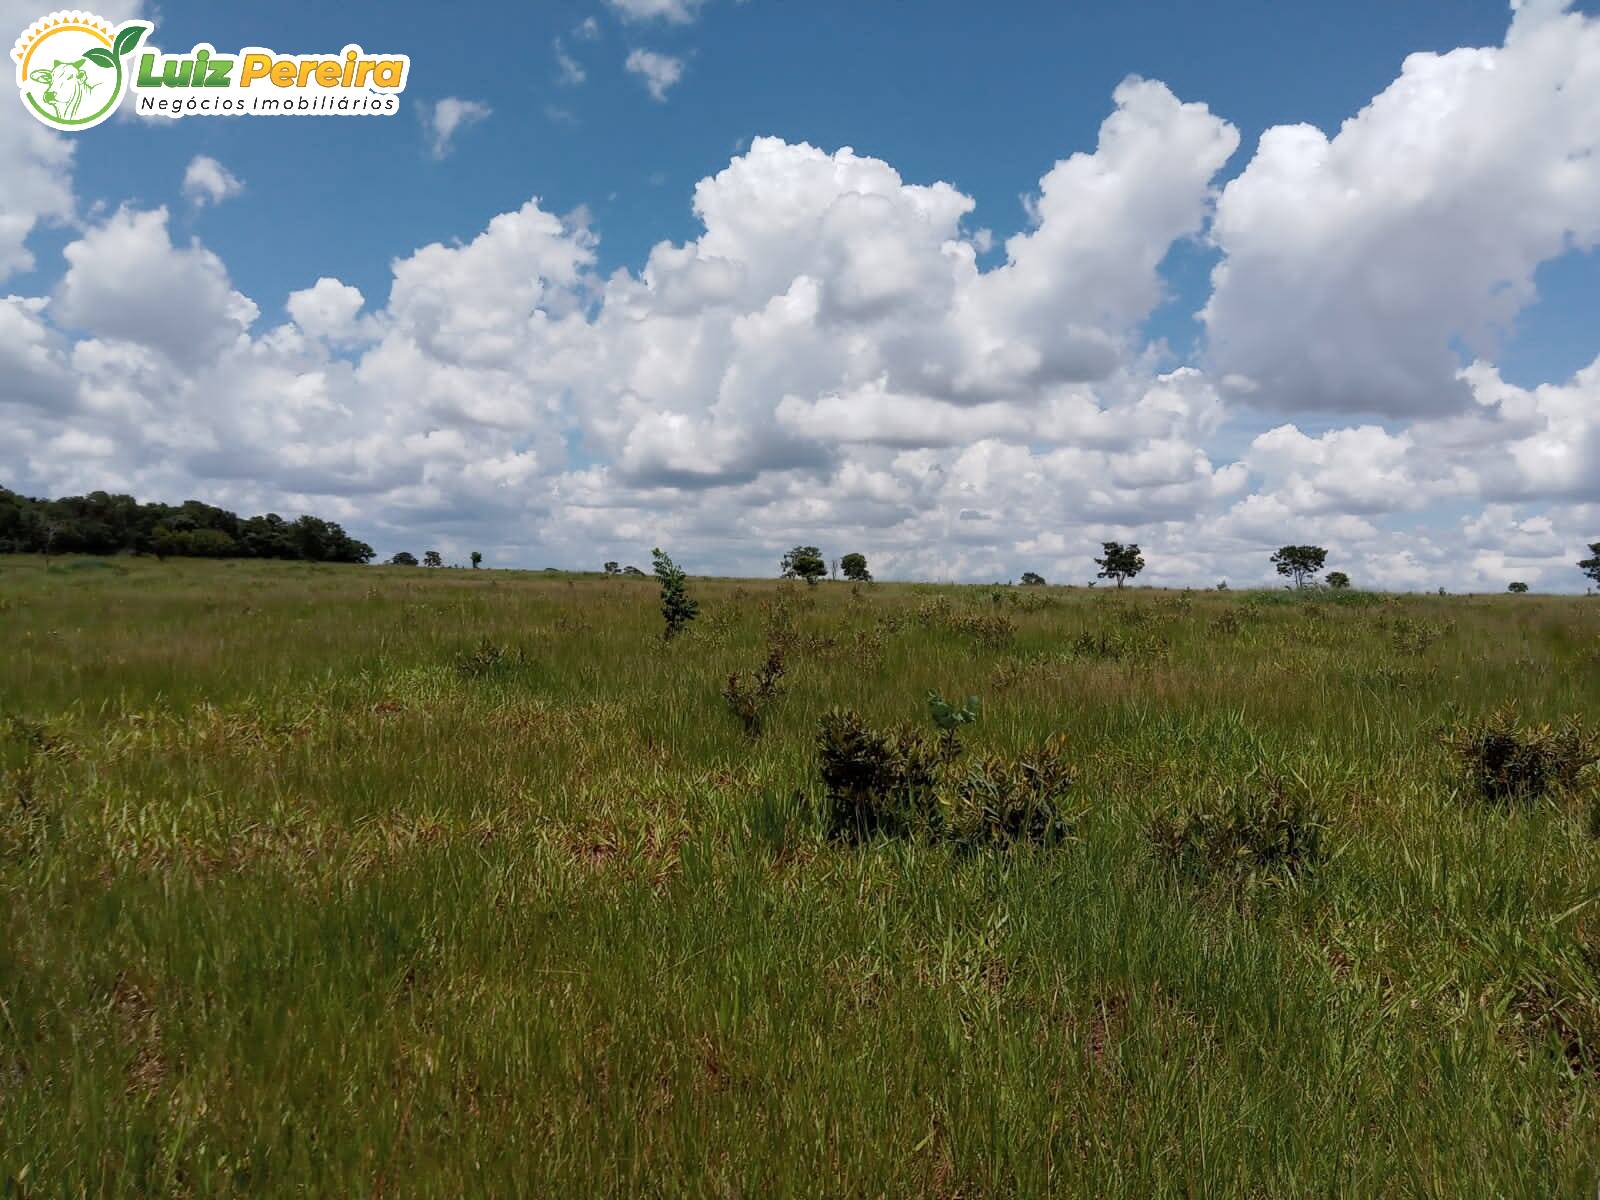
(100, 57)
(128, 39)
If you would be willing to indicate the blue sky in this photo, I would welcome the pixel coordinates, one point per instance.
(987, 100)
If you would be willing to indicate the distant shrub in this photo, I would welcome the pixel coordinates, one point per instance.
(749, 696)
(1029, 598)
(1119, 645)
(1032, 579)
(1389, 677)
(935, 611)
(1408, 636)
(1133, 615)
(1227, 623)
(993, 631)
(1179, 605)
(1252, 832)
(1518, 587)
(486, 659)
(1504, 760)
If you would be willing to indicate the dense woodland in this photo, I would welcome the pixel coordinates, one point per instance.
(102, 523)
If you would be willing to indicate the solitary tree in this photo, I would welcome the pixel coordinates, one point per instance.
(1591, 566)
(477, 560)
(854, 567)
(1338, 580)
(1032, 579)
(613, 569)
(430, 558)
(676, 606)
(404, 559)
(1518, 586)
(1301, 563)
(804, 562)
(1121, 562)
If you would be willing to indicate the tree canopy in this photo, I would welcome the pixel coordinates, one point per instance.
(1300, 563)
(1120, 562)
(854, 567)
(103, 523)
(804, 562)
(1591, 566)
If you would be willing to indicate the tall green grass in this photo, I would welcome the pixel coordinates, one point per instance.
(384, 881)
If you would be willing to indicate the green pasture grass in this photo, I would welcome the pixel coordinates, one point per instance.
(372, 881)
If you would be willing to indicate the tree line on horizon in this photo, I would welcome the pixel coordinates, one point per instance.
(107, 523)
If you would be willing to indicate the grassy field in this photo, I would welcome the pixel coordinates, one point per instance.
(346, 881)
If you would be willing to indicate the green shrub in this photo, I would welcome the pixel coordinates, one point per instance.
(677, 609)
(1119, 645)
(487, 659)
(1251, 832)
(995, 802)
(1413, 637)
(1504, 760)
(990, 630)
(749, 696)
(1227, 623)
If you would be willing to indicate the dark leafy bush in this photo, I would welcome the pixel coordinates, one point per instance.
(1504, 760)
(1251, 832)
(904, 783)
(877, 784)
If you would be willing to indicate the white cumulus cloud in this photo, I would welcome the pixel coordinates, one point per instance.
(447, 118)
(206, 181)
(659, 72)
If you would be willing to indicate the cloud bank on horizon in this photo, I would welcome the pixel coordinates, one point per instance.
(830, 360)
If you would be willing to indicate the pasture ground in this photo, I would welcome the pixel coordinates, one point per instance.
(346, 881)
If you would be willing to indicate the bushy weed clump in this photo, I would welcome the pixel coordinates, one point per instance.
(908, 783)
(749, 695)
(993, 801)
(992, 631)
(489, 659)
(1413, 637)
(877, 783)
(1502, 759)
(1255, 831)
(1120, 645)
